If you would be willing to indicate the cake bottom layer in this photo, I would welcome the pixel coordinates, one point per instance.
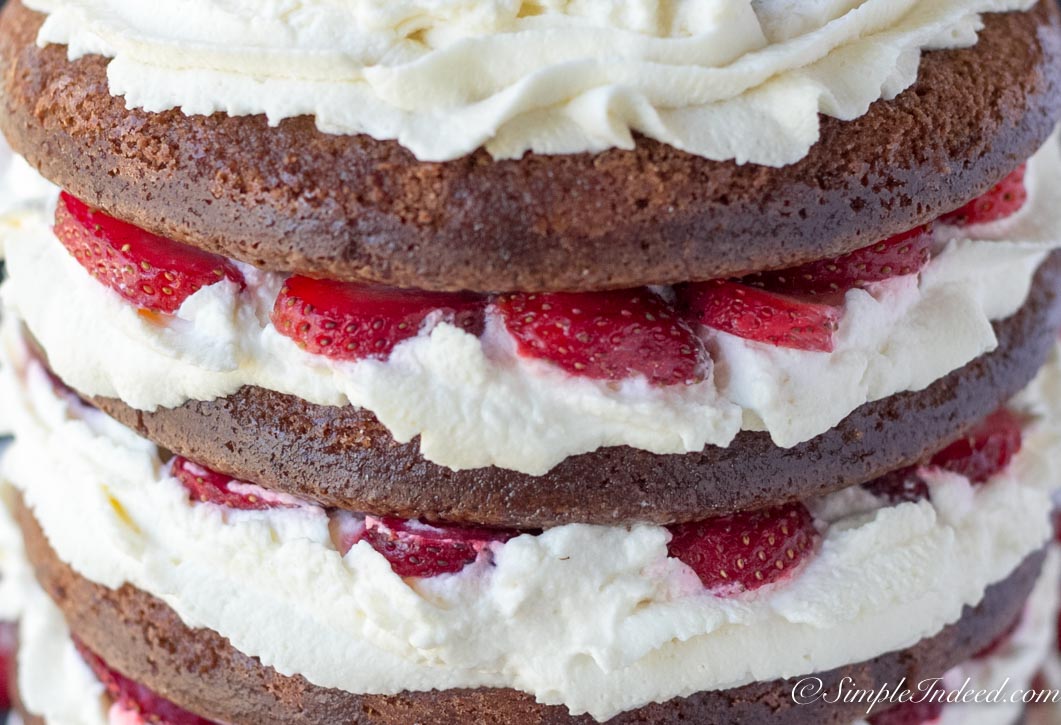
(141, 637)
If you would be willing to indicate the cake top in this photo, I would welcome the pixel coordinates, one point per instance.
(722, 79)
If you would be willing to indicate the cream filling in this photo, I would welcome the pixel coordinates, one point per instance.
(474, 403)
(724, 79)
(595, 618)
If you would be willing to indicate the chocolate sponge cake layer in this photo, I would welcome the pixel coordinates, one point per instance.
(342, 456)
(290, 198)
(141, 637)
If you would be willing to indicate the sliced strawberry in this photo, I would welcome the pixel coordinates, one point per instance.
(8, 648)
(135, 697)
(350, 321)
(985, 450)
(899, 486)
(1004, 199)
(606, 335)
(926, 709)
(746, 550)
(762, 316)
(900, 255)
(422, 550)
(206, 486)
(148, 270)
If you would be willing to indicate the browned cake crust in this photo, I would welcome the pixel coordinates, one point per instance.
(293, 199)
(344, 457)
(144, 639)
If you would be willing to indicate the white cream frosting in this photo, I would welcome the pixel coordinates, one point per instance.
(724, 79)
(595, 618)
(53, 681)
(473, 402)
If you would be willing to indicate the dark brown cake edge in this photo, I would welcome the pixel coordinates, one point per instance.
(344, 457)
(290, 198)
(199, 670)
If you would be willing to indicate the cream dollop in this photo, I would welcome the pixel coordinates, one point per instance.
(723, 79)
(474, 402)
(598, 619)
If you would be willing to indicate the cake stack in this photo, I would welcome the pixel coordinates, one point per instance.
(441, 362)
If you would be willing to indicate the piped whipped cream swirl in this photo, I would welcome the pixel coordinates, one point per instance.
(723, 79)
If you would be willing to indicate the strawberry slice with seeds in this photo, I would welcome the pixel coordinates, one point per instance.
(422, 550)
(900, 255)
(985, 450)
(762, 316)
(1003, 200)
(206, 486)
(150, 271)
(746, 550)
(351, 321)
(606, 335)
(136, 698)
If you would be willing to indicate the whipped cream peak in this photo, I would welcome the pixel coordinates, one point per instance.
(723, 79)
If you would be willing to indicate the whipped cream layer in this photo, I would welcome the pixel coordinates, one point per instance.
(53, 680)
(598, 619)
(474, 402)
(723, 79)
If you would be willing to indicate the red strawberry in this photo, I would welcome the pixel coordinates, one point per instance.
(899, 486)
(136, 697)
(606, 335)
(746, 550)
(206, 486)
(1004, 199)
(148, 270)
(903, 254)
(8, 649)
(350, 321)
(925, 709)
(985, 450)
(756, 314)
(416, 549)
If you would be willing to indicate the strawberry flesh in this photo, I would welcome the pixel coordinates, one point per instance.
(1003, 200)
(606, 335)
(150, 271)
(985, 450)
(8, 647)
(747, 550)
(135, 697)
(762, 316)
(352, 321)
(900, 255)
(415, 549)
(206, 486)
